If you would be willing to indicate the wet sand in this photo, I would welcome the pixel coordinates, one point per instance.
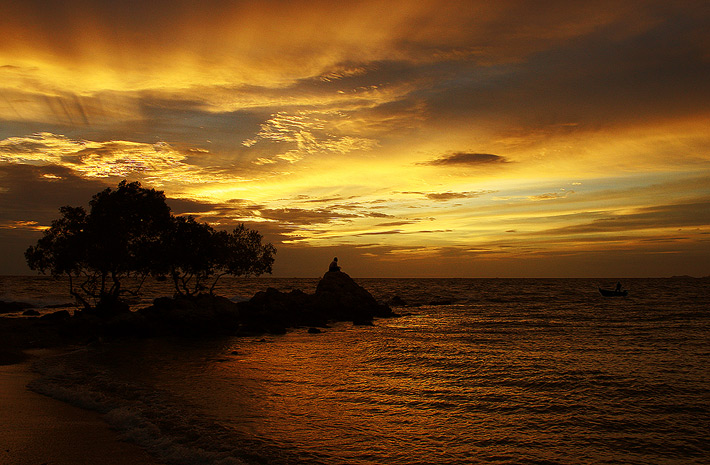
(37, 430)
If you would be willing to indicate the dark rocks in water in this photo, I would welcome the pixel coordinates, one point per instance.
(31, 312)
(11, 357)
(12, 307)
(337, 298)
(200, 315)
(131, 324)
(273, 311)
(60, 315)
(110, 308)
(397, 301)
(341, 298)
(64, 305)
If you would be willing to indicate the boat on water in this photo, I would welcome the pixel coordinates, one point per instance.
(613, 293)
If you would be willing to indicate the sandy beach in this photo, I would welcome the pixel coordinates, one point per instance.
(37, 430)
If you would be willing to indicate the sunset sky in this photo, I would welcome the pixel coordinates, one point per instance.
(409, 138)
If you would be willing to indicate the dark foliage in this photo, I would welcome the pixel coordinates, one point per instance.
(199, 255)
(130, 234)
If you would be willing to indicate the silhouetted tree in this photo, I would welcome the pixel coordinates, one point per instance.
(62, 249)
(198, 254)
(241, 253)
(130, 234)
(120, 238)
(190, 255)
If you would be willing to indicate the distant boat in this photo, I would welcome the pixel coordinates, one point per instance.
(611, 293)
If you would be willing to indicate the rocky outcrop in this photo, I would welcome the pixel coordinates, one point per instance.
(60, 315)
(337, 298)
(273, 311)
(340, 298)
(192, 316)
(12, 307)
(397, 301)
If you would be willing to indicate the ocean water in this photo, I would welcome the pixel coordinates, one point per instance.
(490, 371)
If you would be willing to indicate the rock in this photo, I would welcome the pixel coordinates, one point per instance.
(64, 305)
(110, 308)
(31, 312)
(61, 315)
(337, 298)
(11, 357)
(313, 330)
(200, 315)
(131, 324)
(84, 325)
(12, 307)
(273, 311)
(397, 301)
(341, 298)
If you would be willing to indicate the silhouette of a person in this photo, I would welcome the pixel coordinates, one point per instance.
(618, 286)
(334, 265)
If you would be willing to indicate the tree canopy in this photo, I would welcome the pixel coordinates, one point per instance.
(199, 254)
(130, 232)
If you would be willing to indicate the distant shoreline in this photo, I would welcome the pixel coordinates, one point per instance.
(270, 277)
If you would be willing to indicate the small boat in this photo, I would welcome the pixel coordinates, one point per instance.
(613, 293)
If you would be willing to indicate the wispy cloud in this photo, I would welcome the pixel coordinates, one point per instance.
(309, 132)
(157, 162)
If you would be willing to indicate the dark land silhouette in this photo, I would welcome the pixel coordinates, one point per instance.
(336, 298)
(129, 235)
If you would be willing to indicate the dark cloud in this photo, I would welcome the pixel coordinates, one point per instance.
(653, 67)
(30, 196)
(187, 206)
(335, 198)
(32, 193)
(304, 216)
(394, 223)
(380, 233)
(372, 214)
(444, 196)
(664, 216)
(467, 159)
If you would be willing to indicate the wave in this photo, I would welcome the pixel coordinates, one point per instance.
(140, 414)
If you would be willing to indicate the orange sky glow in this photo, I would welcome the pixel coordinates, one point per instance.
(429, 138)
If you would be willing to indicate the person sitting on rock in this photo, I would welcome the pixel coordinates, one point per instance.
(334, 265)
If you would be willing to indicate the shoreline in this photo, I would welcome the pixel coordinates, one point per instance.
(36, 429)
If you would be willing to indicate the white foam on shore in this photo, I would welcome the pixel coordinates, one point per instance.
(137, 414)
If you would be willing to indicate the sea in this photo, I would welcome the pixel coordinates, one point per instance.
(474, 371)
